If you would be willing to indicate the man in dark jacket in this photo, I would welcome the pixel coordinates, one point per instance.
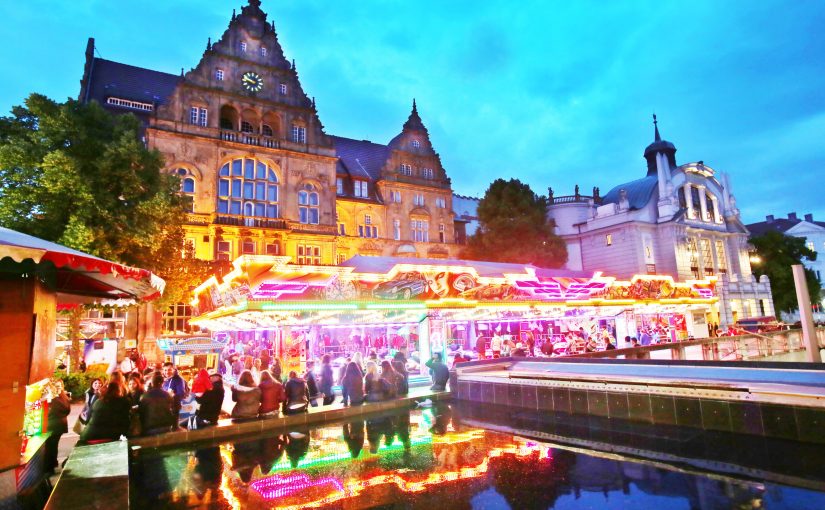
(439, 372)
(59, 408)
(312, 384)
(399, 364)
(155, 409)
(296, 394)
(175, 385)
(211, 402)
(326, 380)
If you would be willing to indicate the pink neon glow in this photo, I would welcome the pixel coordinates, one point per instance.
(282, 486)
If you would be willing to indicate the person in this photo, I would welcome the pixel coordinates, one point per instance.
(519, 350)
(358, 359)
(135, 385)
(531, 343)
(547, 347)
(327, 380)
(155, 408)
(276, 370)
(237, 366)
(495, 345)
(90, 397)
(58, 424)
(645, 338)
(391, 377)
(399, 364)
(127, 366)
(312, 384)
(110, 415)
(352, 385)
(202, 383)
(266, 359)
(460, 358)
(439, 372)
(272, 395)
(591, 345)
(481, 346)
(609, 345)
(210, 402)
(373, 356)
(296, 395)
(634, 342)
(247, 397)
(140, 361)
(374, 388)
(256, 369)
(174, 384)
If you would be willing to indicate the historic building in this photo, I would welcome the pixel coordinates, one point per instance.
(678, 220)
(261, 174)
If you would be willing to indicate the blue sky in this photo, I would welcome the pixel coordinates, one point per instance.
(554, 93)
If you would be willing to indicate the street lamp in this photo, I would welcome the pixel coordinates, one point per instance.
(755, 259)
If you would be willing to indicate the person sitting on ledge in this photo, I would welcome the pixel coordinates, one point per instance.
(439, 372)
(375, 387)
(155, 408)
(296, 395)
(247, 397)
(272, 395)
(210, 402)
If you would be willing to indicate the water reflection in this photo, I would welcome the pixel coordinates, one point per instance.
(425, 458)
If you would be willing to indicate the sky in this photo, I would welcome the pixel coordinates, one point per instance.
(554, 93)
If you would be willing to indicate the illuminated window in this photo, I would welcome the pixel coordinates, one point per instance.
(223, 250)
(693, 254)
(263, 51)
(427, 173)
(248, 187)
(396, 230)
(282, 88)
(707, 257)
(405, 169)
(197, 116)
(299, 134)
(308, 205)
(219, 74)
(243, 47)
(187, 188)
(309, 254)
(339, 186)
(416, 144)
(273, 249)
(176, 319)
(811, 246)
(608, 240)
(360, 189)
(721, 257)
(420, 230)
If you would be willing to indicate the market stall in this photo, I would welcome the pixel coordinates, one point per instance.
(422, 306)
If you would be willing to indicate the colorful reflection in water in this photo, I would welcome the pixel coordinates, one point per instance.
(423, 459)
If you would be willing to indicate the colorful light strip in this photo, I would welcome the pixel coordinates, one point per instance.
(280, 487)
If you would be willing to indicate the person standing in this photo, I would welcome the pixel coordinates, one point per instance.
(327, 380)
(175, 385)
(276, 370)
(495, 345)
(399, 364)
(531, 343)
(353, 385)
(90, 397)
(439, 372)
(296, 395)
(645, 338)
(58, 423)
(110, 415)
(312, 384)
(135, 385)
(210, 402)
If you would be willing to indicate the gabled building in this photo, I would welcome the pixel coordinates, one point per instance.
(678, 220)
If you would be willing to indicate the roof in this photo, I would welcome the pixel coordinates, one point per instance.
(113, 79)
(639, 192)
(360, 158)
(777, 225)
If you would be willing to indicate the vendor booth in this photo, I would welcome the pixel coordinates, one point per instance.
(421, 306)
(193, 353)
(36, 277)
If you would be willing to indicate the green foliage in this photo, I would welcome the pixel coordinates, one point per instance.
(777, 253)
(514, 228)
(77, 383)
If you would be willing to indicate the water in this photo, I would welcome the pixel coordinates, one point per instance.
(450, 457)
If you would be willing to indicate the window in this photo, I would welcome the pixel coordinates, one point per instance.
(248, 247)
(721, 257)
(187, 188)
(309, 255)
(608, 240)
(441, 202)
(697, 206)
(308, 205)
(418, 199)
(299, 134)
(395, 197)
(416, 144)
(427, 173)
(342, 257)
(197, 116)
(693, 253)
(339, 185)
(266, 130)
(246, 127)
(243, 47)
(263, 51)
(176, 319)
(273, 249)
(810, 245)
(248, 187)
(223, 250)
(342, 229)
(405, 169)
(396, 230)
(282, 88)
(420, 230)
(707, 257)
(219, 74)
(135, 105)
(360, 189)
(651, 268)
(441, 233)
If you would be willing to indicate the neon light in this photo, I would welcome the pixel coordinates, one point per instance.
(308, 306)
(395, 306)
(279, 487)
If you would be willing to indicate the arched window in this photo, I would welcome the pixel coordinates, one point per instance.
(266, 130)
(187, 188)
(246, 127)
(308, 205)
(248, 187)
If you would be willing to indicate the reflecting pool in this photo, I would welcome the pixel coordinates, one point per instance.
(435, 459)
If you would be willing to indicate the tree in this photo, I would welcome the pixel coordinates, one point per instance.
(777, 253)
(513, 227)
(78, 175)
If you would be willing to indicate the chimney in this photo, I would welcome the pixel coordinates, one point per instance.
(809, 217)
(769, 218)
(792, 216)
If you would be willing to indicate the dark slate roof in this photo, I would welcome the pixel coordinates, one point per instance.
(113, 79)
(777, 225)
(360, 158)
(639, 192)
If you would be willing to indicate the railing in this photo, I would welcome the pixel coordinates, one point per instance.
(731, 348)
(250, 139)
(572, 199)
(246, 221)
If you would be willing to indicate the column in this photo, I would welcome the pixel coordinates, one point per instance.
(717, 215)
(689, 200)
(703, 202)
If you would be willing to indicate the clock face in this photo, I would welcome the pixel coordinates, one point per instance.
(252, 82)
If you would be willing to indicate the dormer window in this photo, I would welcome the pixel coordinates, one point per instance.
(263, 51)
(219, 74)
(282, 88)
(416, 144)
(360, 189)
(427, 173)
(243, 47)
(299, 134)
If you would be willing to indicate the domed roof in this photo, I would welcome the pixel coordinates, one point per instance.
(658, 144)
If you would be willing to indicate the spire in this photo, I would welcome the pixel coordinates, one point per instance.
(233, 15)
(255, 4)
(414, 121)
(209, 44)
(656, 128)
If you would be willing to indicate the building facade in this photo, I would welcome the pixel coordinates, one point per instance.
(678, 220)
